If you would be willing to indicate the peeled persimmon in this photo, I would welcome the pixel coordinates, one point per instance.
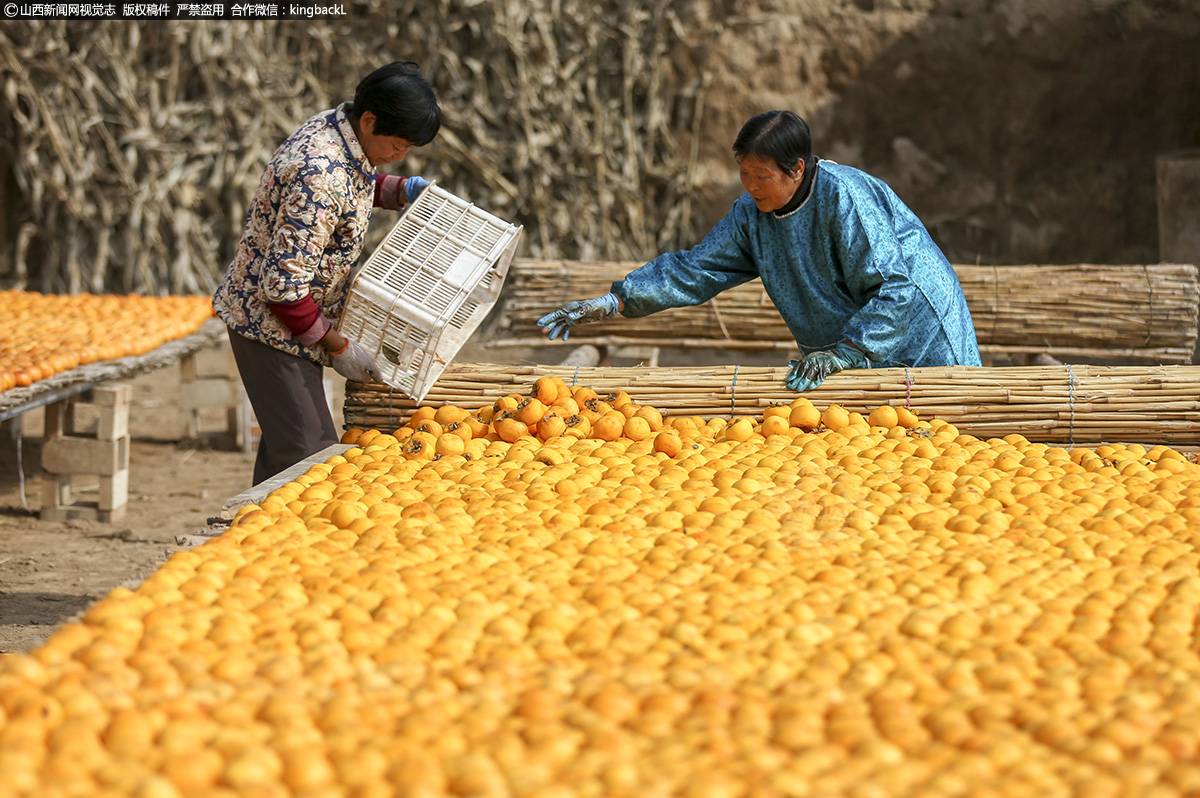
(511, 429)
(578, 615)
(577, 426)
(57, 332)
(448, 444)
(551, 425)
(668, 442)
(609, 425)
(804, 416)
(835, 417)
(884, 416)
(546, 390)
(449, 414)
(739, 430)
(530, 410)
(775, 424)
(636, 428)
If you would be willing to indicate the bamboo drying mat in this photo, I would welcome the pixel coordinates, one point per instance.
(1144, 313)
(15, 401)
(1070, 404)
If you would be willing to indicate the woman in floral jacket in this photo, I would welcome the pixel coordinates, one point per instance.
(304, 233)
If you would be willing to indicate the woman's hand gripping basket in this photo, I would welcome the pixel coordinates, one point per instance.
(427, 287)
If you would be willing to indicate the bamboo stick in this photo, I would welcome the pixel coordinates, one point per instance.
(1081, 404)
(1144, 313)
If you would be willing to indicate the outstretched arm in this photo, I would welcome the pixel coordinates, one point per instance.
(692, 276)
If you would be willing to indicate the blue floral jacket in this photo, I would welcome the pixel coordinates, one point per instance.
(852, 263)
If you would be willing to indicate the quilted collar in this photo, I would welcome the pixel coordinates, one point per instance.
(341, 123)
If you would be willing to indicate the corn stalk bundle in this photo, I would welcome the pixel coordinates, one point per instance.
(1145, 313)
(134, 150)
(1070, 404)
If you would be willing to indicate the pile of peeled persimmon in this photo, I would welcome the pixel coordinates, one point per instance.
(44, 334)
(805, 603)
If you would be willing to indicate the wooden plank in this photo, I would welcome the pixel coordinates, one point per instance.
(88, 511)
(88, 377)
(188, 368)
(69, 455)
(113, 423)
(259, 492)
(209, 392)
(114, 490)
(116, 394)
(56, 490)
(55, 419)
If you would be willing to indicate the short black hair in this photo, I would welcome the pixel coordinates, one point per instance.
(403, 102)
(781, 136)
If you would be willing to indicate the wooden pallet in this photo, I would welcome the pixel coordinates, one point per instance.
(101, 451)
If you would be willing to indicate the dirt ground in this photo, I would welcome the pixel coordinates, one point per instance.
(52, 571)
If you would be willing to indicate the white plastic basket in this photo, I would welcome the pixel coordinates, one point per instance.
(427, 287)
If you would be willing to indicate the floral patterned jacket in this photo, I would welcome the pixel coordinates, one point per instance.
(304, 233)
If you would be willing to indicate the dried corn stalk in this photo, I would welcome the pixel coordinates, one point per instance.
(134, 150)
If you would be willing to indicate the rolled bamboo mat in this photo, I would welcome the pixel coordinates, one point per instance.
(1069, 404)
(1145, 312)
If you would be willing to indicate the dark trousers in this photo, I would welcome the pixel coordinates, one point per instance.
(288, 397)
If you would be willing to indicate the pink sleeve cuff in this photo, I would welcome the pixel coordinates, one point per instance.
(389, 192)
(303, 318)
(314, 333)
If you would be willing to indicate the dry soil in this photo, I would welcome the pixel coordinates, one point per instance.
(52, 571)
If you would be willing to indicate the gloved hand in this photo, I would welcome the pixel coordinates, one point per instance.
(810, 372)
(562, 320)
(413, 186)
(354, 362)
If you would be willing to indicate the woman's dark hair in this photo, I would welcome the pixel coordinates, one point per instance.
(781, 136)
(403, 103)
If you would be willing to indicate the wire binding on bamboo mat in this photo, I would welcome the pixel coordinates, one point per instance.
(1071, 383)
(1071, 404)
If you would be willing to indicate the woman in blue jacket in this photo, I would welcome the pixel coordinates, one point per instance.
(854, 273)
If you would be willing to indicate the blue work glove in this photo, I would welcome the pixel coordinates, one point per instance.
(413, 186)
(810, 372)
(562, 320)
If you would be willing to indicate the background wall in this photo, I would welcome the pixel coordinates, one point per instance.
(1019, 130)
